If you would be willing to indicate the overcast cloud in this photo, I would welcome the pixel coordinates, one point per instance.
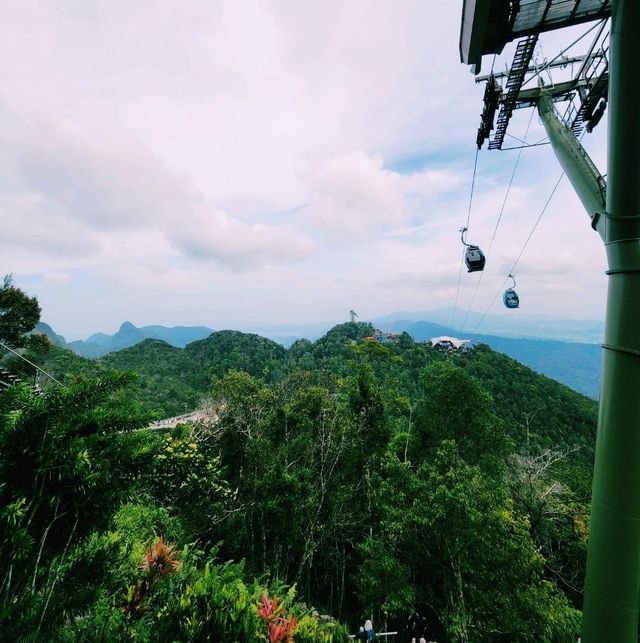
(261, 162)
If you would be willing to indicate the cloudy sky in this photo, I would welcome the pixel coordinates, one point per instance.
(244, 163)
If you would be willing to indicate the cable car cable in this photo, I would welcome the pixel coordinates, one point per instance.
(473, 184)
(455, 304)
(523, 248)
(515, 263)
(513, 174)
(495, 229)
(544, 209)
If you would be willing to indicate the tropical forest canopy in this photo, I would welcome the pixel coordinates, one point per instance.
(350, 479)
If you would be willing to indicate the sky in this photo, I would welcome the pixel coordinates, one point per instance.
(246, 163)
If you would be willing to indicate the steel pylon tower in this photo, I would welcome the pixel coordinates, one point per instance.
(612, 586)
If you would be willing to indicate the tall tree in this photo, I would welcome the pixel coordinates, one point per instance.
(19, 313)
(67, 458)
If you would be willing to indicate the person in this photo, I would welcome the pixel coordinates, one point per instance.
(368, 628)
(361, 635)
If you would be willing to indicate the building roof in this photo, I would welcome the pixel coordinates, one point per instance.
(454, 341)
(488, 25)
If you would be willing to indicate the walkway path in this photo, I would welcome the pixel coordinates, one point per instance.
(170, 423)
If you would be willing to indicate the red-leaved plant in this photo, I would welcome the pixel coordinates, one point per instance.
(158, 561)
(279, 627)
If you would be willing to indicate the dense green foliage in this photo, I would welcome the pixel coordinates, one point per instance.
(19, 313)
(174, 380)
(375, 479)
(337, 492)
(540, 412)
(84, 494)
(574, 363)
(535, 409)
(164, 385)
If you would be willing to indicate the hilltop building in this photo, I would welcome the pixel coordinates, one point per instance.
(451, 344)
(381, 337)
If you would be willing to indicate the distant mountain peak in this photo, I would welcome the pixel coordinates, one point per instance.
(45, 329)
(129, 334)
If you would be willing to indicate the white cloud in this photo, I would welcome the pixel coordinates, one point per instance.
(200, 161)
(35, 224)
(56, 277)
(354, 196)
(82, 195)
(217, 236)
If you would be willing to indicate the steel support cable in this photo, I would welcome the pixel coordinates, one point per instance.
(495, 229)
(32, 364)
(515, 263)
(473, 184)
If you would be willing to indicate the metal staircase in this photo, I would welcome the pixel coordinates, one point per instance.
(519, 67)
(8, 379)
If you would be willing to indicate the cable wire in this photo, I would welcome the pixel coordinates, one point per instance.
(473, 184)
(495, 229)
(32, 364)
(515, 263)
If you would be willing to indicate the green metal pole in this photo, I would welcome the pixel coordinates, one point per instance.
(612, 587)
(585, 178)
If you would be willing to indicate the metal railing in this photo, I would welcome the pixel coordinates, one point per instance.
(388, 636)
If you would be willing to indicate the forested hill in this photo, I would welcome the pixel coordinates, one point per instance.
(575, 364)
(173, 380)
(351, 477)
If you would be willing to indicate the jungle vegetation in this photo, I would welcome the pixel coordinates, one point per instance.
(347, 478)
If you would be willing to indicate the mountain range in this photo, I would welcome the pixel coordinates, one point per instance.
(171, 380)
(127, 335)
(576, 364)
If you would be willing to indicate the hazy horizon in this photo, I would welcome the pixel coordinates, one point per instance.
(492, 324)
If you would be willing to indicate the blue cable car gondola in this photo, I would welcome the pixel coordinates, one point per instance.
(510, 296)
(473, 256)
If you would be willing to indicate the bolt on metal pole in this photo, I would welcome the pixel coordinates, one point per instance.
(612, 587)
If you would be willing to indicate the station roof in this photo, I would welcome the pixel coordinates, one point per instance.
(488, 25)
(454, 341)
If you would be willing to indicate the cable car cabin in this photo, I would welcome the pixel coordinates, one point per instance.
(474, 258)
(510, 298)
